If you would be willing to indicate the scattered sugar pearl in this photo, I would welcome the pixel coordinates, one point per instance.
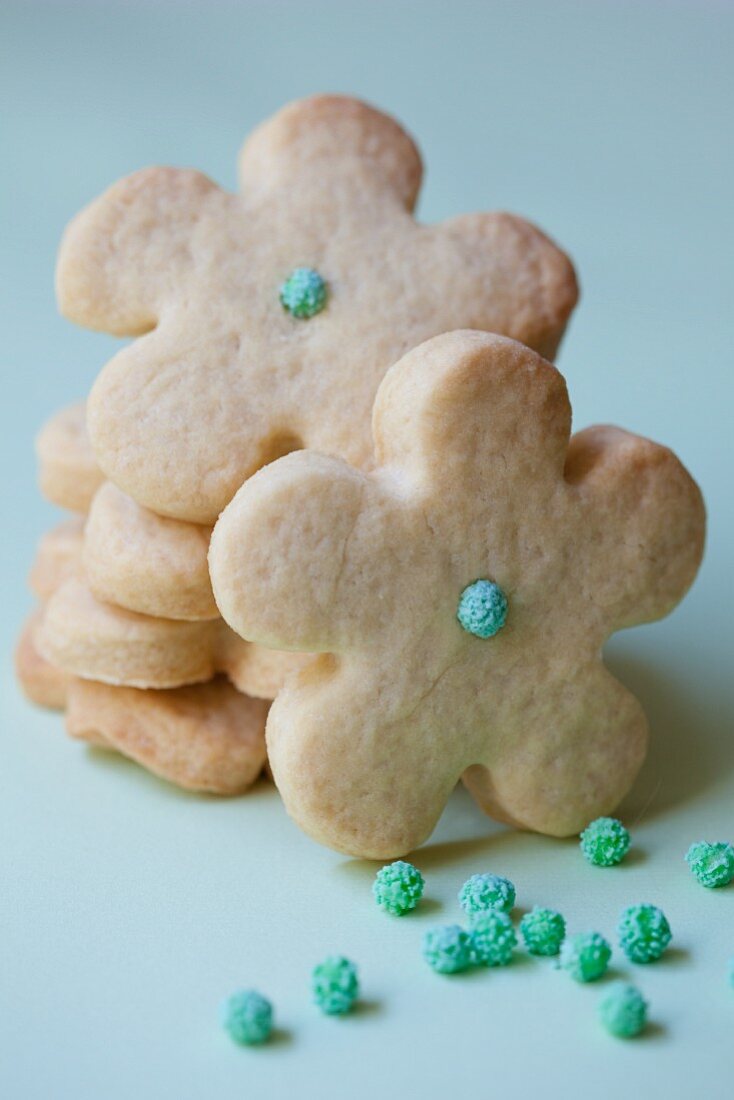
(488, 891)
(605, 842)
(543, 931)
(644, 933)
(398, 887)
(447, 950)
(335, 985)
(712, 864)
(247, 1016)
(623, 1010)
(585, 956)
(493, 938)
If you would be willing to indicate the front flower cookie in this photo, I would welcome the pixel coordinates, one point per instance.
(266, 320)
(479, 502)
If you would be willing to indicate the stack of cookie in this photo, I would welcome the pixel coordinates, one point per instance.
(268, 322)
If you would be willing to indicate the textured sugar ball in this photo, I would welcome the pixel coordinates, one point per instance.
(623, 1010)
(493, 938)
(585, 956)
(447, 950)
(712, 864)
(335, 985)
(644, 933)
(398, 887)
(605, 842)
(248, 1017)
(542, 931)
(482, 609)
(303, 293)
(482, 892)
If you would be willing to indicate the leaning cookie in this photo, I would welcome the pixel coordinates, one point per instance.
(266, 320)
(58, 558)
(460, 595)
(68, 473)
(208, 738)
(93, 640)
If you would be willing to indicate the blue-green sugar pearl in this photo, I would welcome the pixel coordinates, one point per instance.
(623, 1010)
(481, 892)
(605, 842)
(585, 956)
(335, 985)
(482, 609)
(398, 887)
(712, 864)
(493, 938)
(247, 1016)
(543, 931)
(644, 933)
(304, 293)
(447, 950)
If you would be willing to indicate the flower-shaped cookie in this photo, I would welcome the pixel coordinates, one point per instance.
(268, 319)
(475, 481)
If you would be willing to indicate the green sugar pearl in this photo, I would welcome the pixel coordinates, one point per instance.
(712, 864)
(542, 931)
(335, 985)
(398, 887)
(493, 938)
(605, 842)
(304, 293)
(447, 950)
(623, 1010)
(482, 892)
(482, 609)
(585, 956)
(644, 933)
(248, 1017)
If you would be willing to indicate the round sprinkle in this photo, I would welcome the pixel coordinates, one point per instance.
(398, 887)
(493, 938)
(482, 892)
(623, 1010)
(447, 950)
(605, 842)
(585, 956)
(712, 864)
(542, 931)
(248, 1017)
(304, 293)
(482, 609)
(335, 985)
(644, 933)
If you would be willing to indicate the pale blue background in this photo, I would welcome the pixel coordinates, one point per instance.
(127, 910)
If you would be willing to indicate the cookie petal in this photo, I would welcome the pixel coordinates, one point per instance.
(336, 138)
(642, 534)
(121, 255)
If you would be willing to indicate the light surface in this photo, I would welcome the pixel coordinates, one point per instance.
(129, 910)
